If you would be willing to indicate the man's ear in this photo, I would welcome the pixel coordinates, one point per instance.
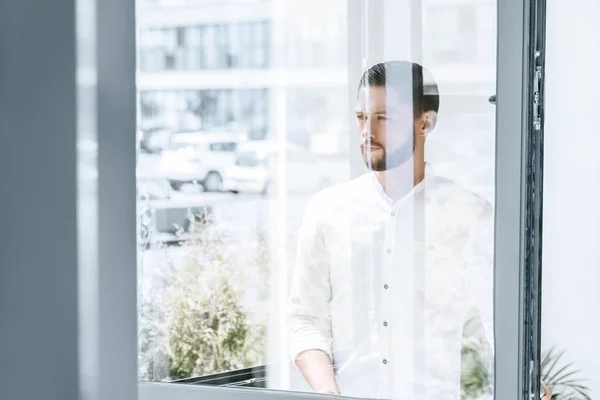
(429, 120)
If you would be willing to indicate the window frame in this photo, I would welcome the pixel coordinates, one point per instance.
(519, 173)
(513, 130)
(106, 112)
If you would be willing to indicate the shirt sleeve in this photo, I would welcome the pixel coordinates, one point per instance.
(480, 270)
(308, 310)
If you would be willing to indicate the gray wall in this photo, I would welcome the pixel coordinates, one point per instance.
(67, 189)
(38, 230)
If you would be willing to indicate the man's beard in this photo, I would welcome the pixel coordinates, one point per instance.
(391, 160)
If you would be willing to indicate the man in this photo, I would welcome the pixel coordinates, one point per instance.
(391, 265)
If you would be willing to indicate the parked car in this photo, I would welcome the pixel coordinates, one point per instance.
(198, 157)
(167, 216)
(256, 169)
(154, 140)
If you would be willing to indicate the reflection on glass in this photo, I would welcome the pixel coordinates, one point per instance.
(290, 248)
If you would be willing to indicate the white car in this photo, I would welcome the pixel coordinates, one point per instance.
(199, 158)
(154, 140)
(256, 169)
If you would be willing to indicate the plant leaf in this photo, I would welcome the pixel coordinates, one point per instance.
(556, 378)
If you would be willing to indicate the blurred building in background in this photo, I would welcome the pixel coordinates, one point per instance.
(267, 68)
(253, 67)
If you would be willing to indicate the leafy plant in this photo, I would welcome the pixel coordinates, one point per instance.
(475, 378)
(209, 328)
(563, 379)
(193, 320)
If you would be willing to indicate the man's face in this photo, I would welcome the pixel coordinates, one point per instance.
(386, 126)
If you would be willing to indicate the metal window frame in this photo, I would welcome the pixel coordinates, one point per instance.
(519, 177)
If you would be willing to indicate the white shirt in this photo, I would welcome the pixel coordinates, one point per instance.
(385, 287)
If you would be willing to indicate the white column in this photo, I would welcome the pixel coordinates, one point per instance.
(378, 31)
(278, 370)
(571, 260)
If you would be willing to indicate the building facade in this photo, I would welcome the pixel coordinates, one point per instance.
(259, 68)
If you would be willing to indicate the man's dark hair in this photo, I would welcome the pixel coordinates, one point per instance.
(405, 78)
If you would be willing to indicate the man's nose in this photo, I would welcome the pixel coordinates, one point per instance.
(367, 130)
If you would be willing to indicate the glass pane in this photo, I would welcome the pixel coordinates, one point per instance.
(315, 212)
(570, 296)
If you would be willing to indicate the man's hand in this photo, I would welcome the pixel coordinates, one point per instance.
(547, 393)
(328, 391)
(317, 368)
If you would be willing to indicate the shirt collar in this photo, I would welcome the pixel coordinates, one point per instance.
(418, 188)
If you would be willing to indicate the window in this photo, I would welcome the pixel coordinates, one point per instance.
(223, 147)
(249, 159)
(192, 51)
(306, 252)
(260, 44)
(235, 46)
(209, 46)
(245, 42)
(207, 110)
(205, 46)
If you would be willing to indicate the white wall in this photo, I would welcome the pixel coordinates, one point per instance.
(571, 258)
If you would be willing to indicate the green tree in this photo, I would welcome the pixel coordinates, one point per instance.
(475, 378)
(209, 329)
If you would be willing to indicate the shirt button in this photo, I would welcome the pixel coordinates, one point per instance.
(386, 287)
(384, 323)
(384, 361)
(389, 251)
(393, 214)
(431, 247)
